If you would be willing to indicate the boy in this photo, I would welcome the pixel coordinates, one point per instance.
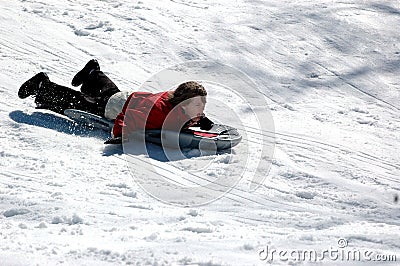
(100, 96)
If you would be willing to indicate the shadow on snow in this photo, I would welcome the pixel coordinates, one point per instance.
(64, 125)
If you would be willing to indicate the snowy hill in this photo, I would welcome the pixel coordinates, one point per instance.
(329, 71)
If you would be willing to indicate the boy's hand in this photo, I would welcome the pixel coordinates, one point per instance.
(205, 123)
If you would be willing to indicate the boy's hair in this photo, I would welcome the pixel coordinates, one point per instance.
(186, 91)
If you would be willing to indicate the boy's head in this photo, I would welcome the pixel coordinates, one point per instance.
(186, 91)
(192, 98)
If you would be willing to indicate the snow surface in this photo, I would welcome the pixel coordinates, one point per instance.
(329, 69)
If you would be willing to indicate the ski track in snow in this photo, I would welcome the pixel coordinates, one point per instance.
(329, 71)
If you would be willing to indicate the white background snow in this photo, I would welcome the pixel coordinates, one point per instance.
(329, 69)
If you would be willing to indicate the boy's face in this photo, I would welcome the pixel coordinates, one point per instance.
(195, 108)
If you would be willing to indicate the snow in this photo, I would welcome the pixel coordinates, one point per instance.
(329, 73)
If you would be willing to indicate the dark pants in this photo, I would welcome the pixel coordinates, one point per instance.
(92, 98)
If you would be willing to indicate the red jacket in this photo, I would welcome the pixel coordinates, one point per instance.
(145, 110)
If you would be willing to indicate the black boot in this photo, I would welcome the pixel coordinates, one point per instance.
(32, 86)
(99, 86)
(82, 75)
